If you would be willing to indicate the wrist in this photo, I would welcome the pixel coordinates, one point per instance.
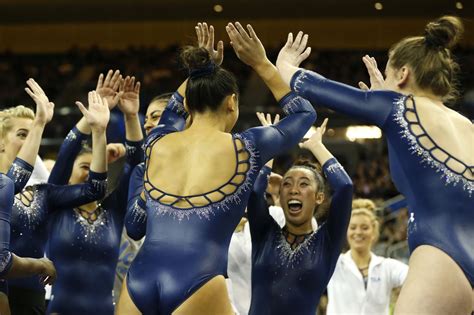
(130, 116)
(98, 130)
(263, 67)
(38, 123)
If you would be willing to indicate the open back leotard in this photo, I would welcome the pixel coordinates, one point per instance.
(440, 199)
(185, 248)
(287, 280)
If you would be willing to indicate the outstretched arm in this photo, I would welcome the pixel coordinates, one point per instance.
(340, 183)
(275, 139)
(22, 167)
(367, 105)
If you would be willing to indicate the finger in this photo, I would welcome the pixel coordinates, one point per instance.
(220, 50)
(324, 124)
(277, 118)
(106, 103)
(90, 98)
(303, 56)
(289, 40)
(303, 44)
(297, 41)
(242, 32)
(210, 42)
(117, 97)
(100, 81)
(205, 33)
(269, 119)
(108, 77)
(253, 35)
(31, 94)
(198, 33)
(34, 87)
(261, 118)
(132, 84)
(82, 108)
(116, 82)
(137, 87)
(234, 35)
(363, 86)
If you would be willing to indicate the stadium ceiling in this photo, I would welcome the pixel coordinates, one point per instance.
(59, 11)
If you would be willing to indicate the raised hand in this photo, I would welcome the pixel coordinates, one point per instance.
(98, 113)
(108, 88)
(44, 108)
(267, 120)
(316, 139)
(129, 92)
(246, 45)
(376, 77)
(205, 37)
(273, 188)
(115, 151)
(295, 51)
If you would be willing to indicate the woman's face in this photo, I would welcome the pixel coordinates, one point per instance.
(15, 138)
(80, 169)
(153, 114)
(299, 196)
(361, 233)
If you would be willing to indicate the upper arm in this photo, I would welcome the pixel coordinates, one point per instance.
(20, 172)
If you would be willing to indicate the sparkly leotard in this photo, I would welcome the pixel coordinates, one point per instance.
(186, 247)
(440, 199)
(290, 278)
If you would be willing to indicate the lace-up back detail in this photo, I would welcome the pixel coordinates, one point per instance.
(422, 144)
(199, 203)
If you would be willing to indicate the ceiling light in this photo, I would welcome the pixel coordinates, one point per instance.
(218, 8)
(363, 132)
(459, 5)
(378, 6)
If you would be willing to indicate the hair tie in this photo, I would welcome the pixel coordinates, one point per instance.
(200, 72)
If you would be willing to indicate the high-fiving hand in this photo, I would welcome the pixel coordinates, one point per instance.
(205, 37)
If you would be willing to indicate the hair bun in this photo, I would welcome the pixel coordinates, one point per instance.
(195, 58)
(444, 32)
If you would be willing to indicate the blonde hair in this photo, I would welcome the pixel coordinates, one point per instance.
(367, 207)
(430, 58)
(7, 116)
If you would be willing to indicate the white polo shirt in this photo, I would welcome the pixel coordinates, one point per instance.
(346, 291)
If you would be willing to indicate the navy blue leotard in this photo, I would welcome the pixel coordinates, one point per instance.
(85, 246)
(287, 280)
(7, 189)
(136, 217)
(185, 248)
(440, 200)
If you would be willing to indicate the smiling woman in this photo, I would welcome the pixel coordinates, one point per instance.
(372, 278)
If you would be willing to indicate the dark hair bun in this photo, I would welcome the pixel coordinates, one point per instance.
(444, 32)
(195, 58)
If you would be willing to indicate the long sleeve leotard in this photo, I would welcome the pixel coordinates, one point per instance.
(185, 248)
(291, 281)
(440, 199)
(84, 246)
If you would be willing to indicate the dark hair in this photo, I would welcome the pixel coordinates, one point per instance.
(86, 149)
(430, 58)
(315, 168)
(165, 97)
(208, 84)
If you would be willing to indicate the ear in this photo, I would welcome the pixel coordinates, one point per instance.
(231, 103)
(320, 198)
(185, 103)
(403, 75)
(2, 146)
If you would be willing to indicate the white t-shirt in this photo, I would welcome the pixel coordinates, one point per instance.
(239, 266)
(346, 291)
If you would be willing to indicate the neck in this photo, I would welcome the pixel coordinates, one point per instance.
(208, 121)
(361, 257)
(305, 228)
(415, 91)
